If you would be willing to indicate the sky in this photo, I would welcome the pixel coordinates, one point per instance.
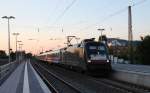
(48, 22)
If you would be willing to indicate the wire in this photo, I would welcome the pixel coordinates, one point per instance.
(65, 10)
(107, 17)
(114, 14)
(138, 3)
(53, 11)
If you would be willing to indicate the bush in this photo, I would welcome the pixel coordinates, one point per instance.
(143, 51)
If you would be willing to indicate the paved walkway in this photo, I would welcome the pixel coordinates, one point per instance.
(24, 80)
(133, 68)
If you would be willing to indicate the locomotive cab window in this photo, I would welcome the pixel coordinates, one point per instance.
(96, 50)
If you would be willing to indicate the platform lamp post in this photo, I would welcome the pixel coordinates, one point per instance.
(20, 48)
(8, 18)
(101, 32)
(16, 35)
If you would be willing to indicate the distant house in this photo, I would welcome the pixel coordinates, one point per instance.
(120, 42)
(119, 47)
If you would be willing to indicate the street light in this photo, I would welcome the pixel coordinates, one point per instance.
(101, 32)
(10, 17)
(16, 34)
(32, 39)
(20, 48)
(19, 41)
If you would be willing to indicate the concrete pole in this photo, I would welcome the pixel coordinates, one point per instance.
(101, 32)
(9, 41)
(10, 17)
(130, 36)
(16, 35)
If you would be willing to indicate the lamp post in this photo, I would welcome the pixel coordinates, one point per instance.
(8, 18)
(101, 32)
(20, 48)
(16, 34)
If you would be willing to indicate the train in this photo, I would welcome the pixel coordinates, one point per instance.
(89, 55)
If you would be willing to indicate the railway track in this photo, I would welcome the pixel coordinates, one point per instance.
(54, 82)
(88, 83)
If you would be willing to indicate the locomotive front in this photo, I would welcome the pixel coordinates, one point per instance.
(97, 57)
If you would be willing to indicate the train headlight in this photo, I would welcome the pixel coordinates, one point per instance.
(89, 61)
(107, 60)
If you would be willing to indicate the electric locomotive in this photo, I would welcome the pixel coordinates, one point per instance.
(88, 55)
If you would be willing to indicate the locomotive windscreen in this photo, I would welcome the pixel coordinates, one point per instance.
(96, 50)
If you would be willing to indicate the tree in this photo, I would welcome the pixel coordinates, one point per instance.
(12, 56)
(143, 51)
(28, 55)
(3, 54)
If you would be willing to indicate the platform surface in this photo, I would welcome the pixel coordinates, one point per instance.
(133, 68)
(24, 80)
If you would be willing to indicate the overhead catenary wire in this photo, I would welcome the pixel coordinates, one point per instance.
(114, 14)
(53, 11)
(65, 10)
(107, 17)
(138, 3)
(103, 20)
(60, 16)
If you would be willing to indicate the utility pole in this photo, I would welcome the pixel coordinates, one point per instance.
(8, 18)
(21, 51)
(16, 34)
(69, 38)
(101, 32)
(130, 35)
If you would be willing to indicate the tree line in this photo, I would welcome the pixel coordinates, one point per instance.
(141, 52)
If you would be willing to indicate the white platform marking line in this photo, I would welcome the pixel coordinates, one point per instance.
(42, 84)
(26, 81)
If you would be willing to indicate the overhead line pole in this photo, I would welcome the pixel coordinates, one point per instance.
(101, 33)
(130, 35)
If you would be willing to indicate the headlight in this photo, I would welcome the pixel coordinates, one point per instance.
(107, 60)
(89, 61)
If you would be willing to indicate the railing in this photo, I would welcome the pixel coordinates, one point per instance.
(7, 69)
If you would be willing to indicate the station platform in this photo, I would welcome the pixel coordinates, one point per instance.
(24, 79)
(143, 69)
(135, 74)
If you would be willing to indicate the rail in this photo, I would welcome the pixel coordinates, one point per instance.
(52, 88)
(56, 77)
